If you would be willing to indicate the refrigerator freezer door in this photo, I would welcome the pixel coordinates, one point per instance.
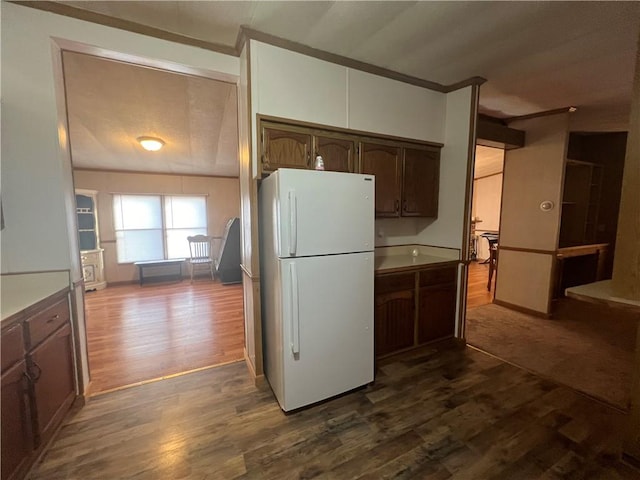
(323, 213)
(327, 327)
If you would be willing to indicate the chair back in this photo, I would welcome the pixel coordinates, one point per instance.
(200, 247)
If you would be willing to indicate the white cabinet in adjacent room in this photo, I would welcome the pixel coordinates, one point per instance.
(91, 254)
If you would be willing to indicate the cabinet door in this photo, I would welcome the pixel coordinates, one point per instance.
(51, 366)
(436, 312)
(283, 148)
(17, 438)
(383, 161)
(394, 321)
(338, 154)
(420, 181)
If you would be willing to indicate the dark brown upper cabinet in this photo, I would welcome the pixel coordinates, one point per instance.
(338, 154)
(420, 181)
(284, 148)
(384, 162)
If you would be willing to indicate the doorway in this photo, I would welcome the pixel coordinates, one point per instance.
(485, 224)
(140, 333)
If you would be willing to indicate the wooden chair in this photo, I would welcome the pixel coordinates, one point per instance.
(201, 257)
(492, 240)
(493, 261)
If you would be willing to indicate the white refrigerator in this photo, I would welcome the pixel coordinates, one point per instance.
(317, 261)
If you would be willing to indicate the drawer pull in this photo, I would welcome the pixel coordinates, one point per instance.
(55, 317)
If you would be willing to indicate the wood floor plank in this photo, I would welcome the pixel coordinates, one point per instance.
(445, 413)
(136, 334)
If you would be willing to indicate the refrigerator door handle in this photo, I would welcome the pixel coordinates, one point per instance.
(293, 223)
(295, 310)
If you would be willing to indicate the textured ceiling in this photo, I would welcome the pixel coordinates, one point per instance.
(110, 104)
(489, 161)
(536, 56)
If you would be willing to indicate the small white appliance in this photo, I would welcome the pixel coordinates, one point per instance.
(317, 261)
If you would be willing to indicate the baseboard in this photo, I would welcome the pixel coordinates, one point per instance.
(520, 309)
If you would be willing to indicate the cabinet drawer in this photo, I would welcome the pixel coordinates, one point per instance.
(395, 283)
(437, 275)
(12, 346)
(46, 322)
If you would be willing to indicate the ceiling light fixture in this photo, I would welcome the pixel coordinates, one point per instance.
(153, 144)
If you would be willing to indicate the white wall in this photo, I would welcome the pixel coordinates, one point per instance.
(294, 86)
(382, 105)
(34, 174)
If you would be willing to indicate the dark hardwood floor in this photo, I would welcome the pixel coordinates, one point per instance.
(436, 413)
(477, 293)
(137, 334)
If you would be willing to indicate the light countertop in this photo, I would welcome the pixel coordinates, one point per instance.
(20, 291)
(407, 257)
(602, 292)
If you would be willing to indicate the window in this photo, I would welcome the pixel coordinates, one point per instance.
(154, 227)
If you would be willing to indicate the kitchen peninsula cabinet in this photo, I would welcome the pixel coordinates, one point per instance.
(17, 434)
(38, 379)
(414, 308)
(383, 161)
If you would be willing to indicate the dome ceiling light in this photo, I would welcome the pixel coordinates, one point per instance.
(153, 144)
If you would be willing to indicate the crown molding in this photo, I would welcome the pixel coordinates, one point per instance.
(134, 27)
(244, 34)
(545, 113)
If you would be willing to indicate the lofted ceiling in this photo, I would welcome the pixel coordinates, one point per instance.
(536, 56)
(110, 104)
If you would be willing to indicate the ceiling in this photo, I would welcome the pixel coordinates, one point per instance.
(110, 104)
(489, 161)
(536, 56)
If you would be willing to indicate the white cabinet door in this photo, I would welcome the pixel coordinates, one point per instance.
(327, 326)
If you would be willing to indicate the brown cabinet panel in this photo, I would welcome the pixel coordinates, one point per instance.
(420, 182)
(283, 148)
(12, 348)
(46, 322)
(394, 321)
(17, 436)
(435, 276)
(338, 154)
(395, 283)
(436, 312)
(383, 161)
(51, 366)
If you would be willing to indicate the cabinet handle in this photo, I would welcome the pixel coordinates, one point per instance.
(397, 205)
(55, 317)
(28, 378)
(38, 373)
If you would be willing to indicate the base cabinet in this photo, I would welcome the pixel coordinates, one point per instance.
(54, 389)
(38, 381)
(437, 312)
(17, 433)
(394, 321)
(414, 308)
